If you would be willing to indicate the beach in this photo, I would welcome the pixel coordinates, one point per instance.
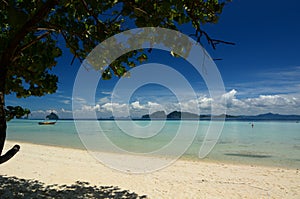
(183, 179)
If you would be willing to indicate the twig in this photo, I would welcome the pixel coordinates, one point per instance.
(93, 15)
(47, 29)
(143, 11)
(212, 42)
(28, 45)
(34, 41)
(5, 2)
(116, 17)
(67, 41)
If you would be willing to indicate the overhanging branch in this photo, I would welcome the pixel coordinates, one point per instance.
(211, 41)
(29, 26)
(34, 41)
(72, 47)
(28, 45)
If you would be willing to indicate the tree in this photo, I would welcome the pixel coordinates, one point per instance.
(32, 32)
(16, 111)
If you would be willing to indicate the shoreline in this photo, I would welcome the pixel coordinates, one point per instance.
(183, 157)
(182, 179)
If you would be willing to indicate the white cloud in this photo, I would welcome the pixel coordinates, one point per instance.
(106, 92)
(65, 111)
(66, 101)
(271, 100)
(205, 102)
(79, 100)
(40, 114)
(284, 104)
(190, 106)
(137, 105)
(91, 108)
(117, 109)
(230, 95)
(113, 106)
(51, 111)
(103, 100)
(153, 104)
(280, 81)
(153, 107)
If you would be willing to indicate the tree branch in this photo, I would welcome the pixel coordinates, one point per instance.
(93, 15)
(118, 15)
(29, 26)
(34, 41)
(75, 53)
(29, 44)
(56, 27)
(60, 29)
(211, 41)
(47, 29)
(5, 2)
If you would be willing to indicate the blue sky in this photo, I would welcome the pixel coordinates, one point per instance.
(261, 72)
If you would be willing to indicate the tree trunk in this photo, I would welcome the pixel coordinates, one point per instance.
(9, 154)
(6, 59)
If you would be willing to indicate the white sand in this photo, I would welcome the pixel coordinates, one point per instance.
(183, 179)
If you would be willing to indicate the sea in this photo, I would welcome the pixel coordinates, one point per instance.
(266, 143)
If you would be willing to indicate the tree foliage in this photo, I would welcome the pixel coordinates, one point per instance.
(16, 111)
(83, 25)
(33, 32)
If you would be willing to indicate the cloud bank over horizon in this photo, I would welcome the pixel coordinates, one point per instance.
(105, 108)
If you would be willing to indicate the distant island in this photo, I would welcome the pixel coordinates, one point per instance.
(52, 116)
(177, 115)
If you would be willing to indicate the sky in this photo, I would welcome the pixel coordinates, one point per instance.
(261, 72)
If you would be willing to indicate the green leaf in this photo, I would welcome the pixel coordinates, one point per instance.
(131, 64)
(82, 29)
(106, 75)
(142, 58)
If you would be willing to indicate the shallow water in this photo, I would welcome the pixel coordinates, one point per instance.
(267, 143)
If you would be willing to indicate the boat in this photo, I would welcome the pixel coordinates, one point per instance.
(46, 123)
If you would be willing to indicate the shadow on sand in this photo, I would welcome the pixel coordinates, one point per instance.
(12, 187)
(248, 155)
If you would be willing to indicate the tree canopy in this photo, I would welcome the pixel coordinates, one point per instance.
(33, 31)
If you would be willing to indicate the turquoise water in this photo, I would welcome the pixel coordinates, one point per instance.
(268, 143)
